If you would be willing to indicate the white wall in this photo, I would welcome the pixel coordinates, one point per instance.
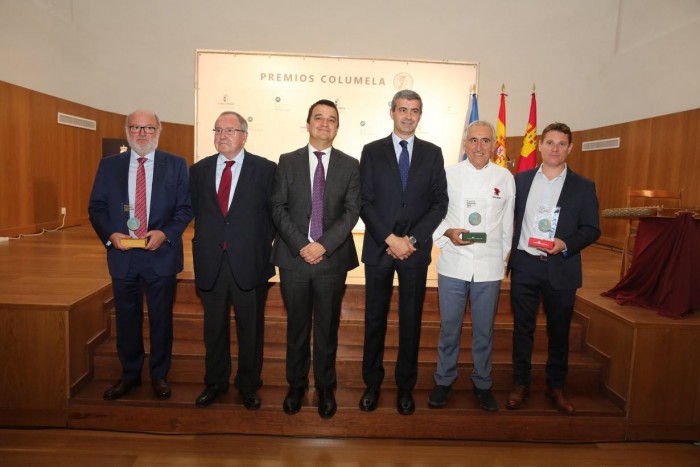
(595, 62)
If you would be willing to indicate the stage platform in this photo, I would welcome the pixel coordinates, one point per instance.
(634, 374)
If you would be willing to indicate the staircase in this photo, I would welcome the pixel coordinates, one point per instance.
(598, 419)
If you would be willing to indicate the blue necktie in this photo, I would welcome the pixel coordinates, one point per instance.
(316, 228)
(403, 163)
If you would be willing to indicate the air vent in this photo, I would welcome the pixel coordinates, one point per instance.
(70, 120)
(611, 143)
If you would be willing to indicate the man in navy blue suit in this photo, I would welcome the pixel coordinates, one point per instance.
(233, 234)
(142, 196)
(557, 205)
(404, 199)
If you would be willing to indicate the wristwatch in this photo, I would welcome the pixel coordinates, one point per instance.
(413, 241)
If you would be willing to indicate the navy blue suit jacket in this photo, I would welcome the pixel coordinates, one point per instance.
(387, 208)
(247, 228)
(578, 225)
(170, 210)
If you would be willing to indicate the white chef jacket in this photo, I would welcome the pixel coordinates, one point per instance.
(494, 187)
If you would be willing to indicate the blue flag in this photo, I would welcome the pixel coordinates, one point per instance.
(474, 114)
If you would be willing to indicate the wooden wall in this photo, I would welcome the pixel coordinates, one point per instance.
(46, 166)
(657, 153)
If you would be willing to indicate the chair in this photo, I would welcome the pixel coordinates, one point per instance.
(641, 197)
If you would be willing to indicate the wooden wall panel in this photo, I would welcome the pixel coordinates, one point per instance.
(47, 166)
(665, 363)
(34, 346)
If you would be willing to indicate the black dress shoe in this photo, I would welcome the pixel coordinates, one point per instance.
(251, 400)
(292, 403)
(369, 400)
(210, 394)
(326, 403)
(120, 388)
(161, 388)
(404, 402)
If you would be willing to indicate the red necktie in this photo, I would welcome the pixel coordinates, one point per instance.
(140, 211)
(225, 187)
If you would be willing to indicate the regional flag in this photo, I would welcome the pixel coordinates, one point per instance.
(474, 112)
(528, 153)
(472, 116)
(500, 156)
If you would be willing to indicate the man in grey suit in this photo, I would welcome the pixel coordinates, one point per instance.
(315, 205)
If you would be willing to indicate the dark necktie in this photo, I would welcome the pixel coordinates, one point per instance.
(140, 211)
(225, 187)
(316, 228)
(403, 163)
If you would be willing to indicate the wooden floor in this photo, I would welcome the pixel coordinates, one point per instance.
(77, 448)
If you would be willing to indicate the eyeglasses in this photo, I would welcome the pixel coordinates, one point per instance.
(226, 131)
(137, 129)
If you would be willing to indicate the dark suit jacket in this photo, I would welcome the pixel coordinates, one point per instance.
(170, 209)
(578, 225)
(247, 227)
(291, 210)
(387, 208)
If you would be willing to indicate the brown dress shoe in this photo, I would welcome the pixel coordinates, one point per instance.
(560, 401)
(517, 397)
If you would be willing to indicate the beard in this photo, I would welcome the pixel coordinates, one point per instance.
(143, 149)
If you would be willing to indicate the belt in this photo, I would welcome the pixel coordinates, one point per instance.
(542, 258)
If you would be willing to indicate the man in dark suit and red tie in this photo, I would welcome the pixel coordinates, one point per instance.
(404, 199)
(556, 216)
(316, 204)
(233, 235)
(139, 207)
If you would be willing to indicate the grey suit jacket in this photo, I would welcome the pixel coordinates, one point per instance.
(291, 210)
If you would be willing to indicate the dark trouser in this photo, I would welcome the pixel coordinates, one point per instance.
(378, 289)
(128, 304)
(529, 282)
(249, 309)
(312, 294)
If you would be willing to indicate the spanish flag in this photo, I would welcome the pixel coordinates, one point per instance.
(500, 156)
(528, 154)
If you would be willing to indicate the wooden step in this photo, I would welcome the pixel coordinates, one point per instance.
(188, 324)
(353, 299)
(188, 365)
(597, 419)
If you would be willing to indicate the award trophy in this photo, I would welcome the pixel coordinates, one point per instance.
(475, 215)
(546, 225)
(133, 224)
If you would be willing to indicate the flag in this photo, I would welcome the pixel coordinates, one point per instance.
(472, 114)
(528, 154)
(500, 156)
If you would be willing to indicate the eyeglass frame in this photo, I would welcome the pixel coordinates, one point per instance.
(226, 131)
(148, 129)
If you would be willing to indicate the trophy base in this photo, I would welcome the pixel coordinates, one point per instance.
(134, 242)
(540, 243)
(474, 237)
